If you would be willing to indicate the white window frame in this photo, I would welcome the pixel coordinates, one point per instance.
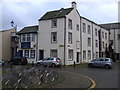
(26, 54)
(77, 27)
(89, 54)
(89, 30)
(32, 53)
(53, 37)
(84, 27)
(96, 32)
(84, 55)
(69, 37)
(70, 55)
(54, 23)
(69, 23)
(89, 42)
(53, 53)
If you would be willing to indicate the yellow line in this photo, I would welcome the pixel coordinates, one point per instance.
(83, 76)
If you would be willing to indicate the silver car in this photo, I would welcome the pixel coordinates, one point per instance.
(50, 61)
(101, 62)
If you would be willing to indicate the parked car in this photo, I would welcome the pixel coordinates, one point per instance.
(50, 61)
(18, 61)
(101, 62)
(1, 63)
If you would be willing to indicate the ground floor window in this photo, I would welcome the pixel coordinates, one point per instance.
(29, 53)
(70, 55)
(89, 54)
(32, 54)
(53, 53)
(96, 54)
(84, 54)
(26, 53)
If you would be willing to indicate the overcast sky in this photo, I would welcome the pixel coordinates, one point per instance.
(27, 12)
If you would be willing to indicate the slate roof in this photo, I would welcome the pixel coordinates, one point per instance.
(111, 25)
(29, 29)
(56, 14)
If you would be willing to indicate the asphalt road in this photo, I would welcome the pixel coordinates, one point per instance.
(104, 78)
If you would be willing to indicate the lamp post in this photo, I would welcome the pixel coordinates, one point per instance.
(14, 26)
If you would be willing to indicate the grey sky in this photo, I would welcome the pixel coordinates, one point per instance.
(27, 13)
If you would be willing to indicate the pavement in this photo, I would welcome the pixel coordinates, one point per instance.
(73, 80)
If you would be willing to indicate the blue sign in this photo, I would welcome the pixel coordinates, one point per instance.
(25, 44)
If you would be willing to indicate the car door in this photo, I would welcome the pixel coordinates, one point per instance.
(101, 62)
(96, 62)
(49, 61)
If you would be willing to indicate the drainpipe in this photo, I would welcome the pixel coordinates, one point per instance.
(81, 38)
(92, 43)
(64, 40)
(36, 46)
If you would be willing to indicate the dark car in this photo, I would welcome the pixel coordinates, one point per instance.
(18, 61)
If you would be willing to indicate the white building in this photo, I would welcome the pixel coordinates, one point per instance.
(65, 34)
(59, 35)
(114, 29)
(28, 41)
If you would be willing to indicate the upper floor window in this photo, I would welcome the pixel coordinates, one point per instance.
(54, 23)
(70, 38)
(96, 43)
(84, 54)
(33, 37)
(102, 34)
(103, 45)
(54, 37)
(27, 37)
(84, 27)
(89, 42)
(118, 36)
(77, 27)
(89, 32)
(69, 23)
(105, 35)
(96, 33)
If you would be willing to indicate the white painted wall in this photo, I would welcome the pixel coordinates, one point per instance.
(74, 16)
(85, 39)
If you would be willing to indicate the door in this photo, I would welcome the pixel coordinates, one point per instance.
(78, 57)
(41, 54)
(20, 53)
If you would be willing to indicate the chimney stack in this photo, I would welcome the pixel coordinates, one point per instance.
(74, 5)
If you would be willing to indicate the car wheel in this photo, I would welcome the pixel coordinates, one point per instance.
(90, 65)
(53, 65)
(38, 64)
(107, 66)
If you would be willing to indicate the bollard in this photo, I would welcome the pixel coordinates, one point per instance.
(32, 63)
(74, 64)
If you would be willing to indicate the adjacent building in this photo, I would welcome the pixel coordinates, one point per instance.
(114, 37)
(28, 41)
(5, 44)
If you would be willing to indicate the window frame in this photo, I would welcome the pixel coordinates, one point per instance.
(52, 37)
(70, 54)
(70, 37)
(70, 24)
(53, 23)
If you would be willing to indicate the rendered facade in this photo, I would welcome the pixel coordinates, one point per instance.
(5, 44)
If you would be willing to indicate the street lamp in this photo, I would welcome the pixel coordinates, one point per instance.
(12, 23)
